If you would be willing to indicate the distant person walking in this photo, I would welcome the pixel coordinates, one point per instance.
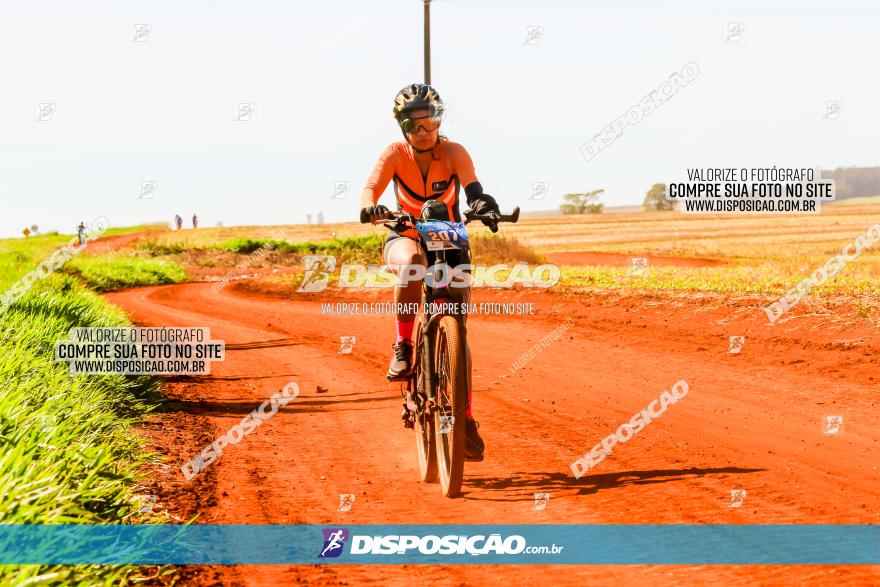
(195, 221)
(178, 221)
(80, 231)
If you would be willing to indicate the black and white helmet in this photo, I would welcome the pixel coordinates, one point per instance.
(417, 97)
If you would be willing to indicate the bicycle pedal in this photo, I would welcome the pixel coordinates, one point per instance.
(409, 419)
(402, 377)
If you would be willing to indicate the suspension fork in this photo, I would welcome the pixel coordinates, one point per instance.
(428, 348)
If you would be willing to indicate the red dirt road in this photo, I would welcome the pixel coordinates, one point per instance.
(750, 421)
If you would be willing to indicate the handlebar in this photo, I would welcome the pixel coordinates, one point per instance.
(512, 217)
(405, 217)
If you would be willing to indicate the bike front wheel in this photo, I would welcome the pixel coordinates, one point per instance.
(451, 404)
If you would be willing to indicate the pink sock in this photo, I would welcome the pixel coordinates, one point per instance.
(404, 330)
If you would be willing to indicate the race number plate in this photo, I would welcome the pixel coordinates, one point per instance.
(440, 236)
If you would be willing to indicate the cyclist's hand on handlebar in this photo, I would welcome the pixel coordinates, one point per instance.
(373, 213)
(486, 204)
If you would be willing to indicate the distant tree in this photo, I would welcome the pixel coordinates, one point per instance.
(854, 182)
(308, 218)
(320, 218)
(586, 203)
(656, 198)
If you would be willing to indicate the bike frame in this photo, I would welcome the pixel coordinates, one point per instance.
(431, 295)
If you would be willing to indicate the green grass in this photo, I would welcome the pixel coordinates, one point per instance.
(158, 249)
(770, 278)
(353, 249)
(117, 271)
(67, 450)
(488, 248)
(19, 255)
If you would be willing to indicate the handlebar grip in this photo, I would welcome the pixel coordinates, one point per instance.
(365, 217)
(512, 217)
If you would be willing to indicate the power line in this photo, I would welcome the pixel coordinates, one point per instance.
(576, 4)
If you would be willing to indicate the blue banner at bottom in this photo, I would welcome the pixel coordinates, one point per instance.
(618, 544)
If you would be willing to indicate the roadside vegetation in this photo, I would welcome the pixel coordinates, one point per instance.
(769, 279)
(68, 453)
(68, 450)
(119, 271)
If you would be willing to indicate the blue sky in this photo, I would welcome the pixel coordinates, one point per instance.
(322, 77)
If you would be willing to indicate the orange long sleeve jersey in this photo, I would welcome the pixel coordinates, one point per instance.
(446, 175)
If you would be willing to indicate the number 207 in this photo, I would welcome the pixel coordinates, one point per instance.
(443, 236)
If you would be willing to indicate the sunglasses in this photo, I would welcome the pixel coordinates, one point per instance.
(412, 125)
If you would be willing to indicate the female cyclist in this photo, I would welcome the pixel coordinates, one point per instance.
(425, 166)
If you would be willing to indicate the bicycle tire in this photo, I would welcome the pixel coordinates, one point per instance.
(451, 399)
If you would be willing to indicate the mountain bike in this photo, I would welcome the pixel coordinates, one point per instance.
(436, 390)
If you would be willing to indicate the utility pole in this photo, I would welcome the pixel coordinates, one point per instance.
(427, 42)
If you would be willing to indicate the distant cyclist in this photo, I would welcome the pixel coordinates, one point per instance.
(425, 166)
(178, 221)
(195, 221)
(81, 231)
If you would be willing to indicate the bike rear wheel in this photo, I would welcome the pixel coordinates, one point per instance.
(424, 421)
(451, 398)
